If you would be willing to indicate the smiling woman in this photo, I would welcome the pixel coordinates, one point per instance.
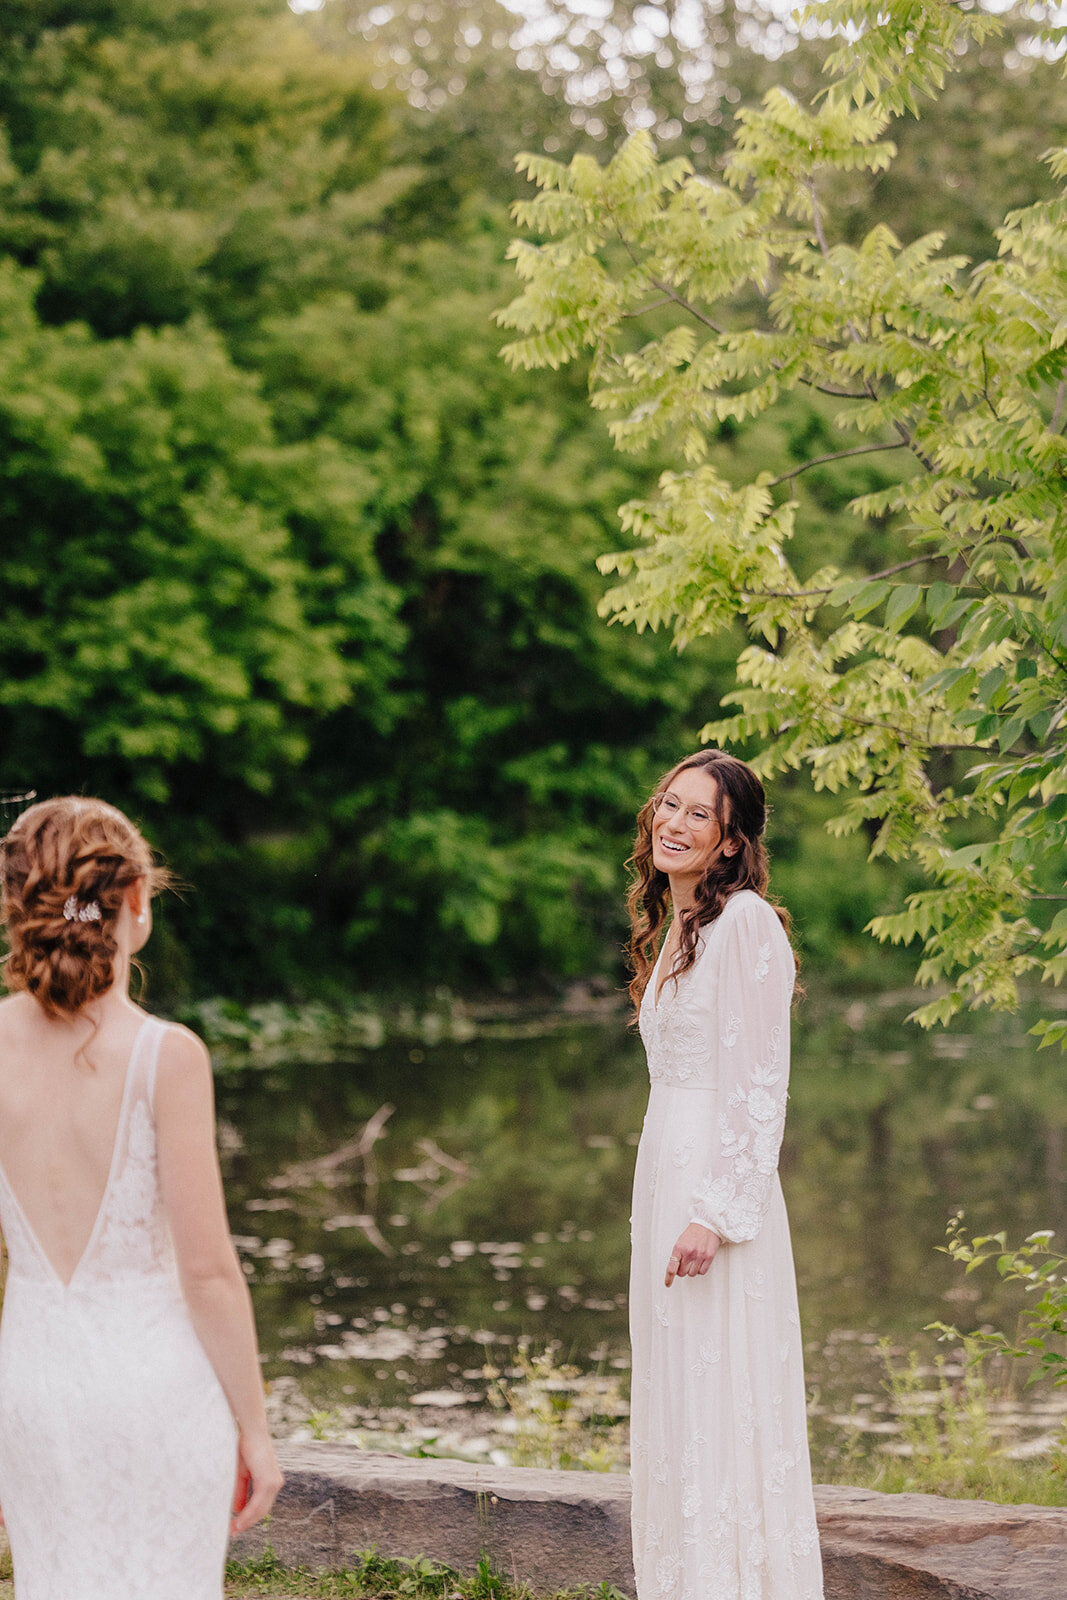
(722, 1498)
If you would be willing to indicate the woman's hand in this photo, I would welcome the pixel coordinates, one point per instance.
(258, 1480)
(693, 1254)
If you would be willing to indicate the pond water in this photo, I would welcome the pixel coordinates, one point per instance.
(409, 1216)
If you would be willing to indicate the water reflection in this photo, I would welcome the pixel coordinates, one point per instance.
(406, 1216)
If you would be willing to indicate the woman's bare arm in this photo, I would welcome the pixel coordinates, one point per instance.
(212, 1281)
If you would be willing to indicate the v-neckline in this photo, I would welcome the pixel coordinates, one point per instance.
(657, 987)
(116, 1144)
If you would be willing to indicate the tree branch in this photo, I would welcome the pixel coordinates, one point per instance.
(1020, 617)
(908, 735)
(671, 296)
(836, 455)
(809, 383)
(686, 305)
(985, 384)
(828, 388)
(802, 594)
(642, 311)
(816, 218)
(906, 438)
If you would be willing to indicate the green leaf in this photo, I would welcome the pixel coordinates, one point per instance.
(869, 596)
(960, 687)
(939, 597)
(967, 856)
(990, 683)
(1010, 731)
(903, 601)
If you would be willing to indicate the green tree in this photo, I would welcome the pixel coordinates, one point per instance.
(189, 590)
(487, 828)
(164, 159)
(293, 567)
(930, 686)
(480, 75)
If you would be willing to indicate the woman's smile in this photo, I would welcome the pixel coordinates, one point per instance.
(685, 830)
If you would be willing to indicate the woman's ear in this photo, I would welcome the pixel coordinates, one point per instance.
(138, 898)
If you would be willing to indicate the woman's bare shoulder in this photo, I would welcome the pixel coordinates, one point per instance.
(182, 1055)
(15, 1009)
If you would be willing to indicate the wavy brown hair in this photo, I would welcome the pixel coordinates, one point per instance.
(740, 808)
(56, 850)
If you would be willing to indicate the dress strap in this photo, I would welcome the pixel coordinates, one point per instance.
(156, 1031)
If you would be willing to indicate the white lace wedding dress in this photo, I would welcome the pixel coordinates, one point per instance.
(722, 1498)
(117, 1447)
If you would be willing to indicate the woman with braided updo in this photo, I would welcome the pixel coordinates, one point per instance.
(131, 1402)
(722, 1497)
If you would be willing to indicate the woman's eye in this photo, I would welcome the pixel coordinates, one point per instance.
(700, 817)
(669, 803)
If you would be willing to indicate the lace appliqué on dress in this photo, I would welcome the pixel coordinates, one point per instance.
(678, 1043)
(732, 1199)
(679, 1049)
(134, 1239)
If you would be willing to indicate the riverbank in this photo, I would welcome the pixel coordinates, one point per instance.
(270, 1033)
(351, 1526)
(553, 1530)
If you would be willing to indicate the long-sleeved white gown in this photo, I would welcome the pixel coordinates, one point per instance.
(117, 1447)
(722, 1496)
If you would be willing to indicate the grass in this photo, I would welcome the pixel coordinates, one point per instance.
(370, 1577)
(948, 1442)
(373, 1577)
(563, 1418)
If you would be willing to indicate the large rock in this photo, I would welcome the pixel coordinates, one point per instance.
(551, 1529)
(920, 1547)
(555, 1530)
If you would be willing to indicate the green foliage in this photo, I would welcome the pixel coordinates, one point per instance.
(294, 567)
(894, 55)
(152, 460)
(948, 1442)
(478, 78)
(930, 686)
(296, 570)
(492, 820)
(1042, 1272)
(563, 1419)
(370, 1576)
(170, 158)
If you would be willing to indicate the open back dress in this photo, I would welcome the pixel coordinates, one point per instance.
(117, 1445)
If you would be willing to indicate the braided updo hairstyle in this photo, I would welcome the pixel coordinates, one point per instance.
(77, 854)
